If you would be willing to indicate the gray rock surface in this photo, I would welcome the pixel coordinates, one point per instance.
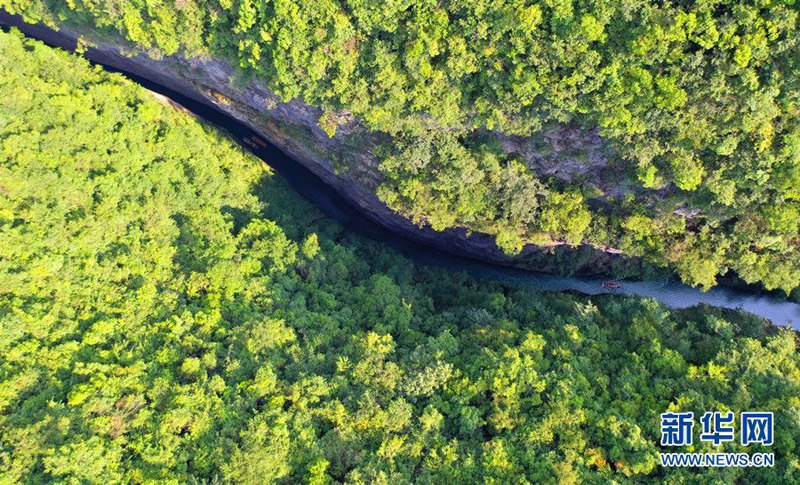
(294, 128)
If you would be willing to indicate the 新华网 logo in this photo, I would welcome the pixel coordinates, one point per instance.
(677, 429)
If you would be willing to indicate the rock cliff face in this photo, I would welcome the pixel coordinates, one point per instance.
(345, 161)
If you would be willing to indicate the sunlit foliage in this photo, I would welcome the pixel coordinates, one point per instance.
(171, 312)
(696, 99)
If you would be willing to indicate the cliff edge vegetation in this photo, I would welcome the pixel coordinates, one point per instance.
(172, 312)
(695, 104)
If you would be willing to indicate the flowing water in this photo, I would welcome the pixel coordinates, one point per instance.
(311, 187)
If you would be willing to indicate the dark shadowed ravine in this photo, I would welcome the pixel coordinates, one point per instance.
(327, 199)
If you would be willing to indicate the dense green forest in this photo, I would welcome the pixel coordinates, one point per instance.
(696, 101)
(171, 312)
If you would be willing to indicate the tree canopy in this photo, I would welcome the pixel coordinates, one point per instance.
(695, 100)
(172, 312)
